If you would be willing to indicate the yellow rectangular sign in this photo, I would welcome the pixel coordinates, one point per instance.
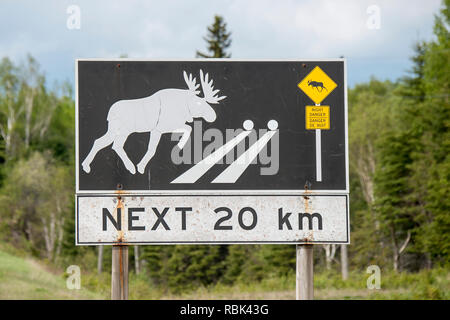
(317, 117)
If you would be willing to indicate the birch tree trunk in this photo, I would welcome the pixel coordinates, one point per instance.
(396, 250)
(29, 99)
(49, 245)
(7, 130)
(330, 251)
(60, 238)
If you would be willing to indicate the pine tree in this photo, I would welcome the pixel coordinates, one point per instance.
(156, 264)
(245, 264)
(434, 235)
(402, 168)
(372, 110)
(411, 90)
(218, 39)
(190, 266)
(413, 176)
(391, 192)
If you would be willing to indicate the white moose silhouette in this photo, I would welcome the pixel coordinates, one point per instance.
(165, 111)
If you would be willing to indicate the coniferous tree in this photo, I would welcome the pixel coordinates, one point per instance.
(218, 39)
(413, 174)
(434, 235)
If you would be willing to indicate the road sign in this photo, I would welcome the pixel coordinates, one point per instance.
(317, 85)
(214, 219)
(211, 151)
(317, 117)
(162, 127)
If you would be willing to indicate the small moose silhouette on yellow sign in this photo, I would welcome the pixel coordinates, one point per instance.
(317, 85)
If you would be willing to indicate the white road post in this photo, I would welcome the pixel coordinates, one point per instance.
(318, 152)
(304, 272)
(119, 272)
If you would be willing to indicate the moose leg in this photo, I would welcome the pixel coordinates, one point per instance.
(152, 144)
(186, 130)
(99, 144)
(118, 148)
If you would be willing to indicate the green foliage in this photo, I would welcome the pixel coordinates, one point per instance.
(194, 265)
(218, 39)
(61, 136)
(279, 259)
(24, 278)
(34, 202)
(36, 126)
(399, 154)
(436, 142)
(156, 263)
(244, 263)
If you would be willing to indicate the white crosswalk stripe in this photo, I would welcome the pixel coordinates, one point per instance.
(194, 173)
(237, 168)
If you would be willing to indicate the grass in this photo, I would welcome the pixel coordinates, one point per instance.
(431, 284)
(25, 278)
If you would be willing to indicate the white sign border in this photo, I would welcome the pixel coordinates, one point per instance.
(347, 217)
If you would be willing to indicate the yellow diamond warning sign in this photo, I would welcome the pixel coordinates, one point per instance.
(317, 117)
(317, 85)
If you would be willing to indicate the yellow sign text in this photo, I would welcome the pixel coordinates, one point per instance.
(317, 117)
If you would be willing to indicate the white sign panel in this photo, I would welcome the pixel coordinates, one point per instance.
(162, 219)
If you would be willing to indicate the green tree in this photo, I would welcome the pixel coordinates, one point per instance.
(156, 263)
(413, 170)
(35, 202)
(392, 190)
(245, 264)
(27, 108)
(218, 40)
(434, 233)
(10, 107)
(372, 112)
(191, 266)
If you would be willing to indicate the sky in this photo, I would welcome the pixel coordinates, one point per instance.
(376, 37)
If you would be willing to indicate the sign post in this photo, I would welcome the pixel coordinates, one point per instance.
(305, 272)
(119, 273)
(211, 151)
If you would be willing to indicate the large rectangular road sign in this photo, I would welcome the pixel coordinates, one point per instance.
(161, 127)
(211, 151)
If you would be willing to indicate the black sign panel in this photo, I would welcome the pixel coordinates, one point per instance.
(161, 126)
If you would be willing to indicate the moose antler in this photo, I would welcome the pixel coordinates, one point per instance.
(208, 90)
(191, 83)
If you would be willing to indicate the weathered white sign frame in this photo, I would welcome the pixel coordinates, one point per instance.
(212, 219)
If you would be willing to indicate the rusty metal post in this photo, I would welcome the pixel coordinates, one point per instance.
(305, 272)
(119, 273)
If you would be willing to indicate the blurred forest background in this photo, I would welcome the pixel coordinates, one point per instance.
(399, 146)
